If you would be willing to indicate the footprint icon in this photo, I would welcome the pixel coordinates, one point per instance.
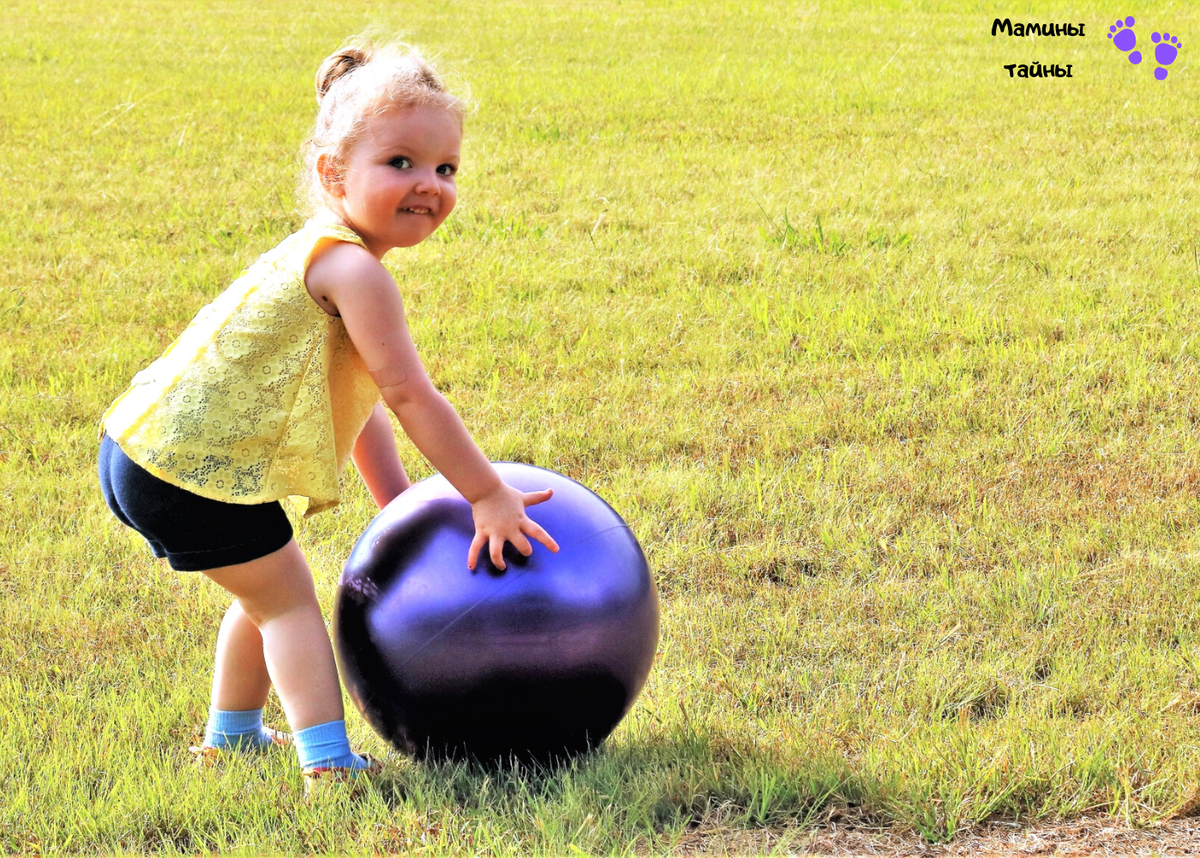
(1165, 53)
(1125, 39)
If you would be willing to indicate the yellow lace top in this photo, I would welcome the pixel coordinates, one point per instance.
(261, 397)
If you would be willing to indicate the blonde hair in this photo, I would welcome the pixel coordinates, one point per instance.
(360, 80)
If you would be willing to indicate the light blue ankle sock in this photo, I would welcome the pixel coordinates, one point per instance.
(327, 745)
(236, 730)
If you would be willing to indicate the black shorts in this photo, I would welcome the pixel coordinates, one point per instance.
(194, 533)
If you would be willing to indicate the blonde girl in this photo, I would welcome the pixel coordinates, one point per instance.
(277, 382)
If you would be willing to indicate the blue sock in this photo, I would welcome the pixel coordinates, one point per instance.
(326, 745)
(240, 730)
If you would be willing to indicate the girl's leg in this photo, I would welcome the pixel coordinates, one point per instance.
(239, 690)
(276, 594)
(240, 678)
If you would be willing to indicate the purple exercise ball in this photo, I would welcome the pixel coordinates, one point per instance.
(538, 662)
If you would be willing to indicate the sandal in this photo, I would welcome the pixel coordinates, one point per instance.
(319, 779)
(209, 755)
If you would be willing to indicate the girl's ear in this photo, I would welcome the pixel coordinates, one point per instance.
(329, 171)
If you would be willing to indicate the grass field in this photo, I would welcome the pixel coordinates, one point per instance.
(889, 360)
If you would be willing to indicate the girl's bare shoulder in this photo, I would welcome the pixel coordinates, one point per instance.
(342, 268)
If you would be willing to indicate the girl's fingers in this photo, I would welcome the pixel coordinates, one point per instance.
(545, 539)
(523, 546)
(537, 532)
(532, 528)
(473, 551)
(520, 542)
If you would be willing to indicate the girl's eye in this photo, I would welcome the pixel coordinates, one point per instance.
(447, 170)
(401, 163)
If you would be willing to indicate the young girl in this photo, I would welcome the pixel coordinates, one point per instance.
(277, 382)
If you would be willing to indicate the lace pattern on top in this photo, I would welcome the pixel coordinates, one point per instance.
(262, 396)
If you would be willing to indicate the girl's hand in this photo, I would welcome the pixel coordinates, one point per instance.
(500, 517)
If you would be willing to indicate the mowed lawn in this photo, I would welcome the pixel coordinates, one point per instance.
(889, 360)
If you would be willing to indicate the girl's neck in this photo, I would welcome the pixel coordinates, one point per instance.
(328, 216)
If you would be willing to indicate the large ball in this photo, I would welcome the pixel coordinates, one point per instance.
(537, 662)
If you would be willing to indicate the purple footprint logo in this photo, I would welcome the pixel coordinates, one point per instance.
(1125, 39)
(1165, 53)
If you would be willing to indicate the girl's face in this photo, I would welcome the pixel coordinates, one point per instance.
(397, 183)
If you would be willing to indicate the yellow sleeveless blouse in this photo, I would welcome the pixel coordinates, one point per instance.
(261, 397)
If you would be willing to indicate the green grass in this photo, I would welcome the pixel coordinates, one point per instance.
(889, 360)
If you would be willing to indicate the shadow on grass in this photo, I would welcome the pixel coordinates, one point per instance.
(667, 786)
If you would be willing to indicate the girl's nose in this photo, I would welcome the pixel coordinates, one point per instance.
(427, 183)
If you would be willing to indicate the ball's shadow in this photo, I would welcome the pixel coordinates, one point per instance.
(671, 783)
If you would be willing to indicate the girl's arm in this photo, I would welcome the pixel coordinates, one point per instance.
(377, 459)
(366, 297)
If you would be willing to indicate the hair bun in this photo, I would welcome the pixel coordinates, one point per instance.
(340, 63)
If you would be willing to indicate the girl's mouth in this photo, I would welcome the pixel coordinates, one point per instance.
(417, 210)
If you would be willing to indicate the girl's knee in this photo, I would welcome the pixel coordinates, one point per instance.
(270, 586)
(262, 612)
